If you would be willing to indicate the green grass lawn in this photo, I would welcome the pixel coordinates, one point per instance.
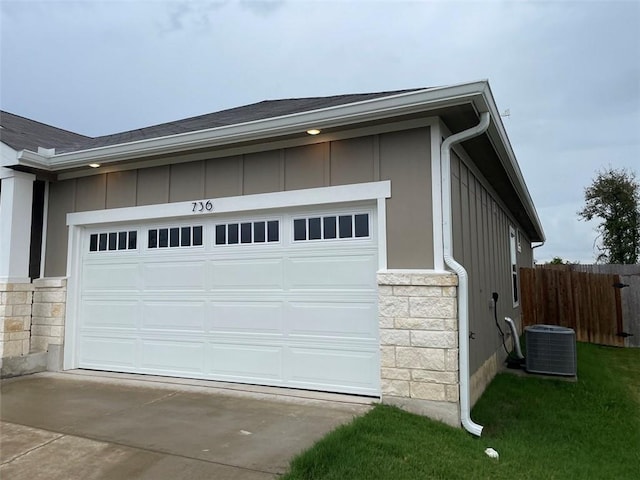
(542, 429)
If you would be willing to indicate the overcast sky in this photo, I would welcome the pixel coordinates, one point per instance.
(568, 72)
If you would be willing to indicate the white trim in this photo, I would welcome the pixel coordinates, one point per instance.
(513, 262)
(45, 219)
(478, 94)
(293, 198)
(74, 254)
(16, 199)
(324, 138)
(368, 110)
(77, 222)
(436, 196)
(468, 162)
(381, 209)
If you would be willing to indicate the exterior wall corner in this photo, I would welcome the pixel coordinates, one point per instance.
(419, 342)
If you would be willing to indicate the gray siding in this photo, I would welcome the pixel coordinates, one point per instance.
(402, 157)
(153, 185)
(409, 210)
(186, 181)
(306, 167)
(352, 160)
(262, 172)
(481, 245)
(61, 201)
(121, 189)
(223, 177)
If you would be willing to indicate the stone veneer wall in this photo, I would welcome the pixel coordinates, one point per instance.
(15, 315)
(47, 323)
(419, 342)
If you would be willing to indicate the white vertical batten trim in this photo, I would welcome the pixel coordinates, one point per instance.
(463, 278)
(74, 253)
(381, 209)
(45, 219)
(436, 196)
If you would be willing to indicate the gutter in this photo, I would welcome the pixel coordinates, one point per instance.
(368, 110)
(463, 278)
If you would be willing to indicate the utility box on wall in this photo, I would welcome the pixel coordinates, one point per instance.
(551, 350)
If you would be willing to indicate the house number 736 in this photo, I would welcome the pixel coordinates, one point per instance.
(202, 206)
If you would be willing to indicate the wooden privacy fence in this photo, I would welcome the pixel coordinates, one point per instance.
(600, 302)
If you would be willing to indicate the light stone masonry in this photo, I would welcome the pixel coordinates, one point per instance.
(49, 310)
(419, 342)
(15, 318)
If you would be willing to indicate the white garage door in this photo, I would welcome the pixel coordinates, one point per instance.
(284, 299)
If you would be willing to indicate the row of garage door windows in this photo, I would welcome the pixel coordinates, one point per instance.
(312, 228)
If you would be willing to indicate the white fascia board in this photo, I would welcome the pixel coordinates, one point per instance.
(512, 168)
(28, 158)
(374, 109)
(262, 201)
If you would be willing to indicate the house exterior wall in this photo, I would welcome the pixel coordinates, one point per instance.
(481, 243)
(47, 322)
(419, 342)
(15, 318)
(402, 157)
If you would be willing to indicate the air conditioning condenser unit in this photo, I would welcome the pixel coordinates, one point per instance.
(551, 350)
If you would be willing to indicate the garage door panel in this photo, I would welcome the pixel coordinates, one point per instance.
(247, 317)
(289, 312)
(174, 315)
(168, 356)
(113, 276)
(107, 352)
(334, 367)
(330, 272)
(331, 319)
(110, 313)
(174, 275)
(247, 274)
(246, 361)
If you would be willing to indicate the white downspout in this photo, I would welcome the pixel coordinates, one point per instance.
(463, 282)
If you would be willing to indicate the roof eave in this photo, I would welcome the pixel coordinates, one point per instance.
(478, 93)
(497, 132)
(367, 110)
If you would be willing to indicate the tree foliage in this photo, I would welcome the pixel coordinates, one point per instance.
(559, 261)
(614, 198)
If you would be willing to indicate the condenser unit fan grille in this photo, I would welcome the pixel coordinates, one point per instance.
(551, 350)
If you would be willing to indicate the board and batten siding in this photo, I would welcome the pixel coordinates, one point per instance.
(481, 244)
(403, 157)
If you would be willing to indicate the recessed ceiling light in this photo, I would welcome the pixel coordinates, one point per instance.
(94, 165)
(313, 131)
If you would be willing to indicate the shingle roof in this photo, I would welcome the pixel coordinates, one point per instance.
(22, 133)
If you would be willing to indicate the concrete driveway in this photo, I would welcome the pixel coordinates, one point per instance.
(66, 426)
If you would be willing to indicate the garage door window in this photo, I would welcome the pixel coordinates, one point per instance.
(247, 233)
(113, 241)
(173, 237)
(331, 227)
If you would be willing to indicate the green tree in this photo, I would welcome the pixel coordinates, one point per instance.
(558, 261)
(614, 198)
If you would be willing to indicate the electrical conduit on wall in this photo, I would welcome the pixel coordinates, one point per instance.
(463, 283)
